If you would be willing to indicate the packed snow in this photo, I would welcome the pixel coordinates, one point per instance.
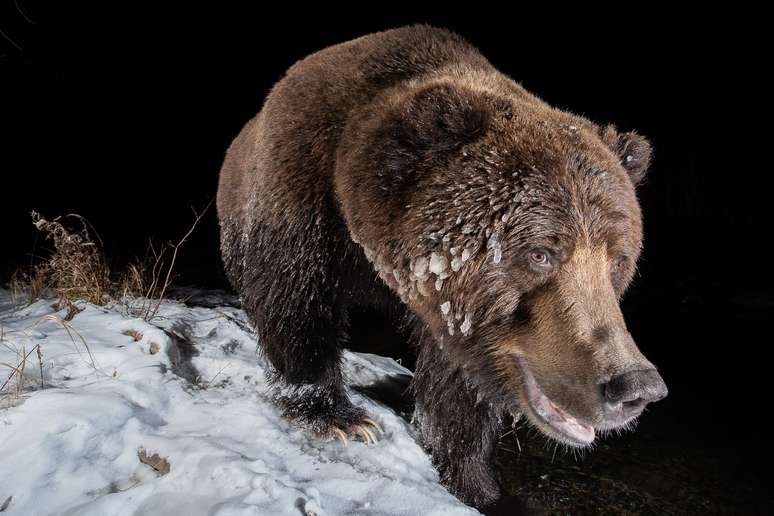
(174, 416)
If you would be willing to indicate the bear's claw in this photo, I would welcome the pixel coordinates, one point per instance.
(373, 423)
(365, 429)
(339, 434)
(366, 434)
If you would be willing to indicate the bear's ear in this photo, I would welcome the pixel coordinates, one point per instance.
(633, 150)
(443, 117)
(425, 129)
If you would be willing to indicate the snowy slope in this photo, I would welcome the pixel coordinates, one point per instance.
(196, 396)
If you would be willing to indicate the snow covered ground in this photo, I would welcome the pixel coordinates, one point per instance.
(186, 393)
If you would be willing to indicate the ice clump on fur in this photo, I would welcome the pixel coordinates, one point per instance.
(438, 263)
(466, 325)
(494, 244)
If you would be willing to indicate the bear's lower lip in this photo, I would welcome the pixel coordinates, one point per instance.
(570, 430)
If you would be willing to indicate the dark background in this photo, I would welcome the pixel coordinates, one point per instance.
(124, 115)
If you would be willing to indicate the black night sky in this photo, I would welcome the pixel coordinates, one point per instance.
(123, 115)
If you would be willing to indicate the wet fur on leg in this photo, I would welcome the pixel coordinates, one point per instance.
(457, 426)
(301, 320)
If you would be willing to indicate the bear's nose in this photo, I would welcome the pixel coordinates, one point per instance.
(635, 389)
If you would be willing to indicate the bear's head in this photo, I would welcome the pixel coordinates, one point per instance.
(511, 229)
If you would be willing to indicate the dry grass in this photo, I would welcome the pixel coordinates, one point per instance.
(88, 357)
(29, 283)
(13, 385)
(17, 380)
(133, 281)
(76, 269)
(144, 283)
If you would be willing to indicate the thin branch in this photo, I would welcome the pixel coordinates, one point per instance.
(176, 248)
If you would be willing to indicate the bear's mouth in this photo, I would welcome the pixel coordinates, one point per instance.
(549, 417)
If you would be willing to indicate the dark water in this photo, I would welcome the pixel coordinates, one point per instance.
(659, 469)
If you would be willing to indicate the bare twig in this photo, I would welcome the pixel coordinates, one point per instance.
(175, 250)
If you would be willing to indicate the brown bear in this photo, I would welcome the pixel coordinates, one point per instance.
(401, 171)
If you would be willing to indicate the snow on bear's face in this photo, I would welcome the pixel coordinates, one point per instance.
(513, 230)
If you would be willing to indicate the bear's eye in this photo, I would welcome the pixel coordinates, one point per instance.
(540, 258)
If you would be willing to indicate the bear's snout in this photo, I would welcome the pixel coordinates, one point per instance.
(627, 394)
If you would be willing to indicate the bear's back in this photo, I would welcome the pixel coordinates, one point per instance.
(285, 156)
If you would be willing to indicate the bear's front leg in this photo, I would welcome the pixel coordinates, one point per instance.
(294, 294)
(459, 430)
(304, 346)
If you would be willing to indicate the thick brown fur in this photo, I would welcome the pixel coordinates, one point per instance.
(401, 171)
